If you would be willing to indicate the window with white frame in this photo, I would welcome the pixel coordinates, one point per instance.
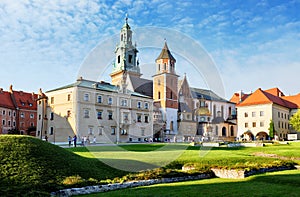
(51, 116)
(113, 130)
(261, 124)
(139, 104)
(261, 113)
(125, 117)
(3, 112)
(31, 115)
(123, 132)
(253, 114)
(110, 115)
(90, 130)
(99, 114)
(124, 102)
(99, 99)
(146, 105)
(22, 115)
(110, 100)
(139, 117)
(86, 97)
(8, 123)
(3, 122)
(146, 118)
(86, 113)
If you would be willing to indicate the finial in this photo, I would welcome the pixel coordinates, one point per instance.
(126, 18)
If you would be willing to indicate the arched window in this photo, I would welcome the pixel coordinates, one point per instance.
(158, 95)
(224, 131)
(122, 37)
(222, 111)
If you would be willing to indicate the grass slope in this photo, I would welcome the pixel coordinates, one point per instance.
(29, 166)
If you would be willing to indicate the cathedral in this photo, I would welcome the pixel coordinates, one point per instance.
(135, 109)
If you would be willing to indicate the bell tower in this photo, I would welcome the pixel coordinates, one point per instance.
(165, 88)
(126, 56)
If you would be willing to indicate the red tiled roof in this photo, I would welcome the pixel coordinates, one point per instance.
(5, 100)
(275, 92)
(25, 100)
(263, 97)
(294, 99)
(236, 98)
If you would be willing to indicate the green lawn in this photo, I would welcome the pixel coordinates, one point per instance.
(284, 183)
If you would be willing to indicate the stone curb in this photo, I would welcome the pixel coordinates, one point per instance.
(117, 186)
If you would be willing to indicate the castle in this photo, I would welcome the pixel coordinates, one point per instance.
(135, 109)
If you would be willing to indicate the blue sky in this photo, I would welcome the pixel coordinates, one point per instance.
(252, 43)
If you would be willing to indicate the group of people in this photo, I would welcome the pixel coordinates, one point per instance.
(84, 140)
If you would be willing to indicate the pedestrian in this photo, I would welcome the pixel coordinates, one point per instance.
(82, 141)
(70, 140)
(46, 138)
(94, 140)
(75, 140)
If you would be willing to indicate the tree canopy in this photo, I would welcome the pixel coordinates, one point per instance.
(295, 121)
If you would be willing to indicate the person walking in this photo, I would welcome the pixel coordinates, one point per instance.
(75, 140)
(70, 140)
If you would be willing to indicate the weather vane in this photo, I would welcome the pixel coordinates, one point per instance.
(126, 18)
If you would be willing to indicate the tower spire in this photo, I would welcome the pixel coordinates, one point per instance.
(126, 18)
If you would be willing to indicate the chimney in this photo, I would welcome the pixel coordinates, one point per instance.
(241, 94)
(11, 88)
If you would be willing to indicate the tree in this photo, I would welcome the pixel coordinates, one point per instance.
(271, 129)
(295, 121)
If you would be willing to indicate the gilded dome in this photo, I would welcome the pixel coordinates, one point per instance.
(202, 111)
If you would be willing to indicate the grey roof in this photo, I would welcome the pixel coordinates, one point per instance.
(183, 107)
(165, 53)
(206, 94)
(142, 86)
(217, 120)
(104, 86)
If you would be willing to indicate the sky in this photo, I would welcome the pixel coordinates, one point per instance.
(252, 43)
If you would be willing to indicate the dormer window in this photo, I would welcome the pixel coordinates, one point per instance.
(22, 103)
(30, 104)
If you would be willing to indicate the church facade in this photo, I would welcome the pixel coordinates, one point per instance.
(132, 108)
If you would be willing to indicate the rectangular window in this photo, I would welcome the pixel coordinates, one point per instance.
(110, 115)
(142, 132)
(99, 114)
(139, 104)
(253, 124)
(261, 113)
(146, 118)
(113, 130)
(52, 100)
(278, 114)
(130, 58)
(31, 115)
(246, 114)
(261, 124)
(119, 59)
(246, 125)
(3, 112)
(124, 102)
(90, 131)
(100, 130)
(51, 131)
(51, 116)
(86, 97)
(86, 113)
(278, 124)
(110, 101)
(125, 115)
(139, 118)
(146, 105)
(99, 99)
(253, 114)
(69, 97)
